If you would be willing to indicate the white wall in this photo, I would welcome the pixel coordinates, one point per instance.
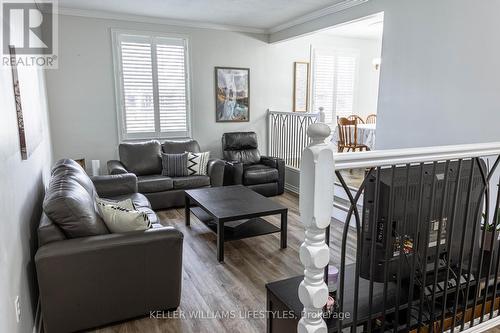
(22, 185)
(440, 76)
(82, 95)
(284, 54)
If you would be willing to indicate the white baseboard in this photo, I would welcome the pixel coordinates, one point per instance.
(37, 323)
(292, 188)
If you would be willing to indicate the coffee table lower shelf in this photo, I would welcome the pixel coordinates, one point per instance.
(236, 230)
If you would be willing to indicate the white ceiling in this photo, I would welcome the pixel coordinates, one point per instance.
(371, 27)
(259, 14)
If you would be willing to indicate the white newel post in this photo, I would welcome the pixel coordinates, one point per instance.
(322, 114)
(316, 204)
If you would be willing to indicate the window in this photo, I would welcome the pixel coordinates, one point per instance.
(152, 86)
(334, 82)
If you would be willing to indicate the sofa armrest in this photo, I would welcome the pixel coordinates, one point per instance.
(116, 167)
(126, 275)
(277, 163)
(215, 170)
(115, 185)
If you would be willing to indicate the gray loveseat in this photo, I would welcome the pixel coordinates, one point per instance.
(144, 160)
(88, 277)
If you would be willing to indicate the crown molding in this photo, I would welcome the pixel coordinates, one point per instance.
(156, 20)
(316, 14)
(107, 15)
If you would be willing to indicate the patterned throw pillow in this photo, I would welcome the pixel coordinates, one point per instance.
(119, 219)
(127, 204)
(174, 165)
(197, 163)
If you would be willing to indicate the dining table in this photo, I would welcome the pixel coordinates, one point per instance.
(365, 135)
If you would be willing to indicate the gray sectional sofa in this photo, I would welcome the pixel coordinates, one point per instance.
(144, 160)
(88, 277)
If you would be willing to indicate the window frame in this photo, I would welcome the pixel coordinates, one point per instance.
(351, 52)
(123, 136)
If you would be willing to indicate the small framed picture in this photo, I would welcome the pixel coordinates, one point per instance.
(232, 94)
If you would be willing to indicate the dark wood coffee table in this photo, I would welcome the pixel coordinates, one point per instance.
(234, 212)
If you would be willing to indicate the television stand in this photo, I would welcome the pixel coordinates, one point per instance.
(285, 307)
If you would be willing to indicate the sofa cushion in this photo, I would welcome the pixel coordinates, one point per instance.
(174, 165)
(239, 141)
(241, 147)
(143, 158)
(259, 174)
(138, 200)
(178, 147)
(119, 219)
(248, 156)
(70, 205)
(154, 183)
(141, 203)
(191, 182)
(69, 168)
(126, 203)
(197, 163)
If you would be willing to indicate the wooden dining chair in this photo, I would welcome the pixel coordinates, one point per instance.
(348, 136)
(357, 118)
(371, 119)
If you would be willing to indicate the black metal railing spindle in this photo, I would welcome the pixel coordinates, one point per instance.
(450, 240)
(462, 247)
(372, 250)
(415, 247)
(389, 250)
(402, 246)
(423, 263)
(438, 245)
(353, 209)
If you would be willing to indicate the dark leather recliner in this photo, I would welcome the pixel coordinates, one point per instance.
(245, 165)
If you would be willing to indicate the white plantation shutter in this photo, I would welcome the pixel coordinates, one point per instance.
(334, 83)
(152, 86)
(344, 89)
(324, 74)
(137, 76)
(172, 86)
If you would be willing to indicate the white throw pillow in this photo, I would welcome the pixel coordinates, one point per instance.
(119, 219)
(197, 163)
(127, 204)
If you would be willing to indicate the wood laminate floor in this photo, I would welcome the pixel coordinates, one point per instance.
(237, 285)
(494, 330)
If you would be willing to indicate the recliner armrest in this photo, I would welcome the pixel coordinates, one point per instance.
(273, 162)
(115, 185)
(127, 275)
(277, 163)
(215, 170)
(116, 167)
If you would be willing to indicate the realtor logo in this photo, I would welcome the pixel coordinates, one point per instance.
(30, 28)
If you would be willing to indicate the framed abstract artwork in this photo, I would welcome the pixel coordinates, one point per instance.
(28, 115)
(19, 106)
(232, 94)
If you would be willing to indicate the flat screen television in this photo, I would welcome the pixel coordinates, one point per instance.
(420, 225)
